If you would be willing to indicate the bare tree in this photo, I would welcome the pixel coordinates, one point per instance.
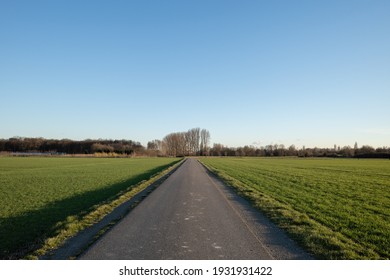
(170, 144)
(181, 144)
(204, 142)
(193, 140)
(176, 144)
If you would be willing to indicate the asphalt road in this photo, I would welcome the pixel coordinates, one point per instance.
(192, 215)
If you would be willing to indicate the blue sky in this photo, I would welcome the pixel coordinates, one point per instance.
(313, 73)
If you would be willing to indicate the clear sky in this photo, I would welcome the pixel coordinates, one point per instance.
(313, 73)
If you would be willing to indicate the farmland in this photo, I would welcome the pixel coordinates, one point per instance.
(335, 208)
(42, 196)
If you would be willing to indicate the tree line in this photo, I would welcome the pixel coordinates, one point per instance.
(66, 146)
(277, 150)
(194, 142)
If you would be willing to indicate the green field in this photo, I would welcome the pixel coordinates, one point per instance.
(335, 208)
(39, 197)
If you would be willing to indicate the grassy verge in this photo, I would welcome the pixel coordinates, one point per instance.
(336, 209)
(46, 200)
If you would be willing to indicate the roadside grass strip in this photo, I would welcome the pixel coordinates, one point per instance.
(335, 208)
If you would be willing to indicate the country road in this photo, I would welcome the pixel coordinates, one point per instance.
(192, 215)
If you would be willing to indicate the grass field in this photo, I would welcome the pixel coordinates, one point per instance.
(335, 208)
(39, 197)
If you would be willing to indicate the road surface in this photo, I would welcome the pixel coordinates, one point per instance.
(192, 215)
